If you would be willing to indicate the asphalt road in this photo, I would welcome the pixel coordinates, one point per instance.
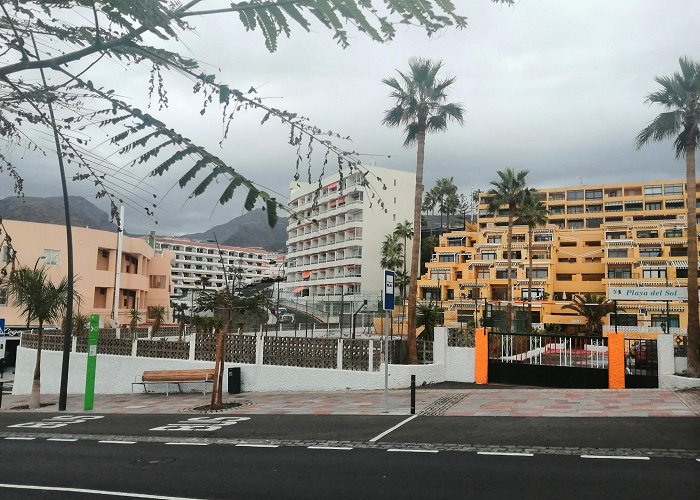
(599, 432)
(322, 456)
(219, 471)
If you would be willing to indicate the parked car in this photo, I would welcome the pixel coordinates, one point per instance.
(281, 311)
(643, 353)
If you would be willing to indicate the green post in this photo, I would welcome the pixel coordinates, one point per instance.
(91, 361)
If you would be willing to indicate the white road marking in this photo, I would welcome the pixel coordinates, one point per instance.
(412, 451)
(377, 438)
(117, 442)
(342, 448)
(20, 438)
(615, 457)
(504, 453)
(134, 407)
(253, 445)
(90, 492)
(185, 443)
(63, 440)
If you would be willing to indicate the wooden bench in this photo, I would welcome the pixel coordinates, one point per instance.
(167, 377)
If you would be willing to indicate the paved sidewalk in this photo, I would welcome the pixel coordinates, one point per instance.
(455, 402)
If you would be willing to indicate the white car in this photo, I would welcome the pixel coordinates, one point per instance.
(287, 318)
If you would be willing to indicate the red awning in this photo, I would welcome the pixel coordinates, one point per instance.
(305, 275)
(298, 289)
(333, 185)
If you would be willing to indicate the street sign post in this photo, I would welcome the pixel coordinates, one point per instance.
(389, 277)
(91, 361)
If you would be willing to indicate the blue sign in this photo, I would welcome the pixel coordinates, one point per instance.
(389, 277)
(2, 327)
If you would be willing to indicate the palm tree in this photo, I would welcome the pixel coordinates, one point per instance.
(445, 188)
(158, 314)
(134, 319)
(33, 292)
(404, 230)
(430, 315)
(532, 213)
(592, 307)
(430, 201)
(179, 310)
(680, 95)
(391, 252)
(509, 191)
(449, 206)
(420, 106)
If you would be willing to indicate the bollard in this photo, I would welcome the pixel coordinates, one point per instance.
(413, 394)
(1, 389)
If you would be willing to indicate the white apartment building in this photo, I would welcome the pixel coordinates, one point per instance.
(334, 248)
(198, 264)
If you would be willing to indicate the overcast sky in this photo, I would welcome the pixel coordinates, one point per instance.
(556, 87)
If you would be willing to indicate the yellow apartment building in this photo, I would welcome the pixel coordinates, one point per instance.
(145, 280)
(616, 235)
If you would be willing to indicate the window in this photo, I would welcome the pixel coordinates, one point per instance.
(537, 273)
(567, 244)
(556, 210)
(51, 257)
(567, 260)
(679, 252)
(623, 319)
(652, 190)
(675, 204)
(619, 272)
(502, 274)
(594, 208)
(576, 224)
(592, 277)
(446, 257)
(617, 253)
(464, 316)
(564, 277)
(673, 189)
(594, 194)
(650, 251)
(681, 273)
(671, 320)
(651, 233)
(537, 293)
(616, 235)
(488, 255)
(157, 281)
(673, 233)
(593, 244)
(439, 274)
(482, 273)
(542, 237)
(574, 195)
(654, 205)
(654, 272)
(516, 254)
(575, 209)
(493, 239)
(5, 256)
(634, 206)
(594, 222)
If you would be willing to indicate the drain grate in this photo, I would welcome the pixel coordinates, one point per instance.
(441, 405)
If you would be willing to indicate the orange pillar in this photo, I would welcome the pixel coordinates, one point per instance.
(481, 356)
(616, 361)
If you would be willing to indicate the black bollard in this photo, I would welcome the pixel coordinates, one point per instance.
(413, 394)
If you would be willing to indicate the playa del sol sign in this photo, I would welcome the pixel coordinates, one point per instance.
(647, 293)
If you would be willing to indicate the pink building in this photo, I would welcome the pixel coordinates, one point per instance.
(145, 280)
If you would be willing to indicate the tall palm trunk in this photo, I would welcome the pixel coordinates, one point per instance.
(509, 293)
(529, 279)
(415, 245)
(35, 396)
(693, 319)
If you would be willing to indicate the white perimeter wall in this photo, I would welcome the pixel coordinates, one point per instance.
(116, 373)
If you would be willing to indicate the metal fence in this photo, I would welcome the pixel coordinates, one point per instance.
(550, 350)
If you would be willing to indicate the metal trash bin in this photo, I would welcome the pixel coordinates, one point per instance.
(234, 380)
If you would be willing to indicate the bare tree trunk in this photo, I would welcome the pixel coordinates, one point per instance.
(35, 396)
(216, 390)
(415, 247)
(529, 280)
(509, 292)
(693, 319)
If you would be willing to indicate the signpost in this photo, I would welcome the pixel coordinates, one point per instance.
(91, 361)
(389, 277)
